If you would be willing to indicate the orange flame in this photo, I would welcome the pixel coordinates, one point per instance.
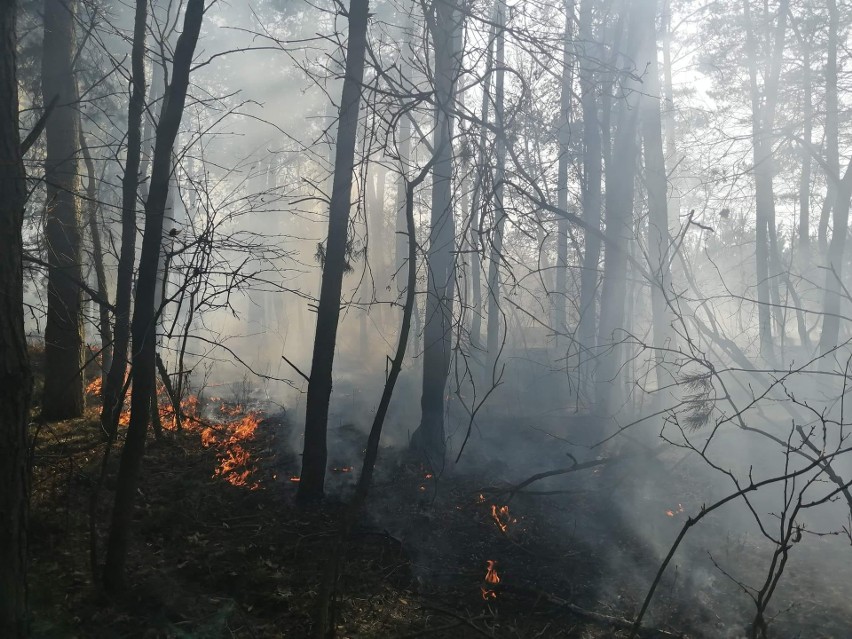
(492, 578)
(95, 386)
(502, 517)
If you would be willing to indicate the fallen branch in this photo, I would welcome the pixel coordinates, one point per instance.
(598, 617)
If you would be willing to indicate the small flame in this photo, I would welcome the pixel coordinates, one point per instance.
(295, 480)
(492, 578)
(502, 517)
(343, 469)
(491, 575)
(480, 499)
(428, 475)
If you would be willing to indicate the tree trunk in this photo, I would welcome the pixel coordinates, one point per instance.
(15, 375)
(112, 399)
(144, 320)
(560, 319)
(763, 118)
(493, 344)
(832, 154)
(657, 184)
(104, 326)
(805, 176)
(482, 166)
(63, 334)
(620, 174)
(328, 311)
(428, 440)
(592, 175)
(834, 275)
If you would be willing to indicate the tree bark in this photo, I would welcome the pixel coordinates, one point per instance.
(15, 374)
(314, 454)
(112, 400)
(63, 334)
(428, 440)
(144, 319)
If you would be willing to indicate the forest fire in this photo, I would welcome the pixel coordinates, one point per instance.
(491, 579)
(502, 518)
(94, 387)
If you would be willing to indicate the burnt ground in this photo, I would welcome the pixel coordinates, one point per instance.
(214, 559)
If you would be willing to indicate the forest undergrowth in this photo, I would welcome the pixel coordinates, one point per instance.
(222, 550)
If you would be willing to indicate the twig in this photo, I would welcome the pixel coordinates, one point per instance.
(296, 368)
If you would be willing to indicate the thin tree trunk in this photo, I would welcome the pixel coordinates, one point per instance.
(63, 334)
(104, 325)
(15, 373)
(834, 274)
(112, 399)
(805, 177)
(657, 183)
(328, 311)
(832, 154)
(763, 118)
(428, 440)
(482, 166)
(560, 320)
(592, 176)
(495, 315)
(144, 320)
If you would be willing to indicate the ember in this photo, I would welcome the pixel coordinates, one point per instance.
(672, 513)
(343, 469)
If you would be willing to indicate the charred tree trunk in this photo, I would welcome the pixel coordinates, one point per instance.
(495, 314)
(15, 375)
(64, 350)
(104, 326)
(328, 312)
(428, 440)
(112, 399)
(144, 319)
(592, 176)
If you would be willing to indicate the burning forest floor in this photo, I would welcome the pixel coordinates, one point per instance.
(220, 549)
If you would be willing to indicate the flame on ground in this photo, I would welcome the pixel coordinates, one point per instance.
(227, 434)
(501, 517)
(492, 578)
(95, 386)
